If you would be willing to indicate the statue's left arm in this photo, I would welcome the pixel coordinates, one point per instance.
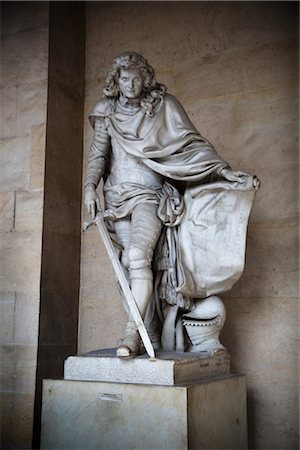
(224, 170)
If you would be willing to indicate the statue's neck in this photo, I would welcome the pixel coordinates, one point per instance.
(130, 102)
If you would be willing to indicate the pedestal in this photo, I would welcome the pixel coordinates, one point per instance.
(169, 368)
(207, 414)
(98, 415)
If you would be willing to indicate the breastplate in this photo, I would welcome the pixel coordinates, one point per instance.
(127, 168)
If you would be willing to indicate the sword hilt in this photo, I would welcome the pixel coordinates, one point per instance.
(99, 216)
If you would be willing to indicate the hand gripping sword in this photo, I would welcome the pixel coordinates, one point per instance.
(99, 221)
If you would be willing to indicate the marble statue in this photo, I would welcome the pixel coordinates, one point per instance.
(176, 210)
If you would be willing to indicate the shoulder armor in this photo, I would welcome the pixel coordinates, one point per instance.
(103, 108)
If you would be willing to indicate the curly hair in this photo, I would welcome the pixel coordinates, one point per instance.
(152, 91)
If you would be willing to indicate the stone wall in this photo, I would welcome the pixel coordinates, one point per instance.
(41, 161)
(23, 129)
(233, 65)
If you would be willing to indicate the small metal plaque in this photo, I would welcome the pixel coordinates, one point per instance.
(111, 397)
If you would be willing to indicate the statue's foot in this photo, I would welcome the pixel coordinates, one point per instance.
(128, 349)
(130, 346)
(123, 351)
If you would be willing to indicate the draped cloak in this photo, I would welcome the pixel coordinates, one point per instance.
(168, 143)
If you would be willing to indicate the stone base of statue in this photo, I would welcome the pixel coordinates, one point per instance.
(180, 401)
(169, 368)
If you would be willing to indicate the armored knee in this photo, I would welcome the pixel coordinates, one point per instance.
(140, 263)
(139, 257)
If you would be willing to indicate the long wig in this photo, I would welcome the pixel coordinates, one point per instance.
(152, 91)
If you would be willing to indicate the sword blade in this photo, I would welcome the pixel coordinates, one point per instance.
(124, 284)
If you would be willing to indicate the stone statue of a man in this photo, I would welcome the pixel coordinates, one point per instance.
(146, 150)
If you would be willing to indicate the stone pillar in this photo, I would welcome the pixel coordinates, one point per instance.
(62, 200)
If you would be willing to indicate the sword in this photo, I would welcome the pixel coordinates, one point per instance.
(99, 221)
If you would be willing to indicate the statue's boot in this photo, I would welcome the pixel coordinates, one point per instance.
(131, 344)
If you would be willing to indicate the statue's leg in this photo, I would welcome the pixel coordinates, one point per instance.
(130, 344)
(123, 230)
(145, 231)
(123, 233)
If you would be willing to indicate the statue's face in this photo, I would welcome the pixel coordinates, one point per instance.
(131, 83)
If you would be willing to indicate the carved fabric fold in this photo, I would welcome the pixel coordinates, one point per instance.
(211, 238)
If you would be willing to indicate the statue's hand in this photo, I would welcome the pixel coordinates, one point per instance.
(230, 175)
(92, 200)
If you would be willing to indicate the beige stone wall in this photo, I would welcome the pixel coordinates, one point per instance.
(24, 62)
(42, 133)
(233, 65)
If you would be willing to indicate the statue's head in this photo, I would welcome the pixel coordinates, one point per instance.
(129, 68)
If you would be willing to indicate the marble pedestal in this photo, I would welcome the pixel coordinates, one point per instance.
(203, 414)
(168, 368)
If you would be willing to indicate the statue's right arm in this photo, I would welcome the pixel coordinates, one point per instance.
(96, 166)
